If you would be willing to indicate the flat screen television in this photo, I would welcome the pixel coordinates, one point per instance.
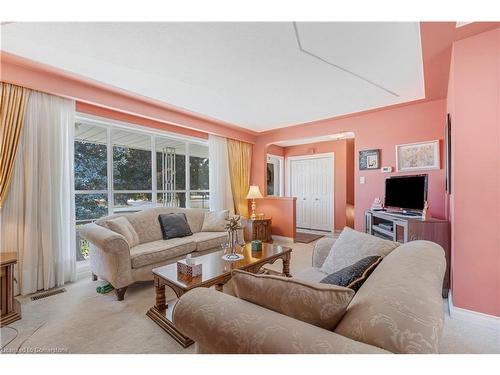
(406, 192)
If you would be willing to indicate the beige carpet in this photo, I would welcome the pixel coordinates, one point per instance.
(82, 321)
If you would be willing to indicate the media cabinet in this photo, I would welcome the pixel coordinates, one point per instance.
(403, 228)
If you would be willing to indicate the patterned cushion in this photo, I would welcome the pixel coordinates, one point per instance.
(354, 275)
(215, 221)
(400, 307)
(319, 304)
(174, 225)
(208, 240)
(122, 226)
(352, 246)
(159, 251)
(146, 222)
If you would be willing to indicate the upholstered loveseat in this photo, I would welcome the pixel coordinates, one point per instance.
(113, 260)
(398, 309)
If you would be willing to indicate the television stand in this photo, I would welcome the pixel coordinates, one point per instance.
(396, 226)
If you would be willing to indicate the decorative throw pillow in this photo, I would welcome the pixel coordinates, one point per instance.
(122, 226)
(214, 221)
(174, 225)
(322, 305)
(354, 275)
(352, 246)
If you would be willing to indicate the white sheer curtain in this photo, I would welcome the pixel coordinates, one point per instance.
(38, 214)
(221, 196)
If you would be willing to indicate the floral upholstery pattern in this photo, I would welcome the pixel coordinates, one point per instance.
(322, 305)
(159, 251)
(352, 246)
(399, 308)
(113, 259)
(220, 323)
(209, 240)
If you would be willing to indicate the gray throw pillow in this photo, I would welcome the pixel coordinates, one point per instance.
(355, 275)
(174, 225)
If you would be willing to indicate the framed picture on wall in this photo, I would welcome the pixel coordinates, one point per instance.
(417, 156)
(369, 159)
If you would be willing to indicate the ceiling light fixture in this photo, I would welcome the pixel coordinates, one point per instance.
(295, 27)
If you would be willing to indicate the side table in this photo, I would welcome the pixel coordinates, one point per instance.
(11, 309)
(257, 229)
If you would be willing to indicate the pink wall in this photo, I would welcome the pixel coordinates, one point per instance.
(339, 148)
(276, 150)
(474, 105)
(382, 129)
(30, 74)
(281, 210)
(132, 119)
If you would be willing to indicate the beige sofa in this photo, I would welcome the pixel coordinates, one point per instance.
(112, 260)
(397, 310)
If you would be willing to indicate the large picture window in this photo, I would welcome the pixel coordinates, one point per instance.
(119, 168)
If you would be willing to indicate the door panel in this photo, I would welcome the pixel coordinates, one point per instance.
(311, 182)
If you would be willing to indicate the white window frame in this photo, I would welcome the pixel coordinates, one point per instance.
(110, 125)
(279, 162)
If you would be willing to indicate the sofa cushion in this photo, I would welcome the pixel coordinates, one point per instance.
(352, 246)
(146, 222)
(122, 226)
(322, 305)
(215, 221)
(355, 275)
(400, 308)
(208, 240)
(310, 274)
(161, 250)
(146, 225)
(174, 225)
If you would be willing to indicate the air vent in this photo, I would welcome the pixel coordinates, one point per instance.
(48, 294)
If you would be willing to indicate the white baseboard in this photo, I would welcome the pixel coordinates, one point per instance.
(282, 239)
(485, 320)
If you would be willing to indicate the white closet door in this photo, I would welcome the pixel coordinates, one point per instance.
(311, 181)
(298, 189)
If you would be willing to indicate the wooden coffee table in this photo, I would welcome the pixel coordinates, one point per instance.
(216, 272)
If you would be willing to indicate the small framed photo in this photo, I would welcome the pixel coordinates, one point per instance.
(418, 156)
(369, 159)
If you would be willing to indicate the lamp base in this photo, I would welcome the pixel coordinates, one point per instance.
(254, 208)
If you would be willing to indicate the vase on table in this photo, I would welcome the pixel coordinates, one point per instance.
(232, 235)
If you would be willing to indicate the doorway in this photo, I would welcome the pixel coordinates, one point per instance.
(310, 179)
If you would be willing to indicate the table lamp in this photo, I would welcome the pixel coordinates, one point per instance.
(253, 194)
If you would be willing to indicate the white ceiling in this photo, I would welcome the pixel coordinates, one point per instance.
(249, 74)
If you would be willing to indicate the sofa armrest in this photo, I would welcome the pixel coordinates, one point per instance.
(220, 323)
(105, 239)
(321, 250)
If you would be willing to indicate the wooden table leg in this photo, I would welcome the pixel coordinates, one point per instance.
(161, 303)
(161, 313)
(286, 265)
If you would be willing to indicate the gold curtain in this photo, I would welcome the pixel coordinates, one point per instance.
(240, 161)
(12, 110)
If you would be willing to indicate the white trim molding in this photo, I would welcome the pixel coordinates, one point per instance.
(484, 320)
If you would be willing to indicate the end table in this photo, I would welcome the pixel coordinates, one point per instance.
(257, 229)
(11, 309)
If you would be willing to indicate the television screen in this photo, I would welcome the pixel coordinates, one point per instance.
(408, 192)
